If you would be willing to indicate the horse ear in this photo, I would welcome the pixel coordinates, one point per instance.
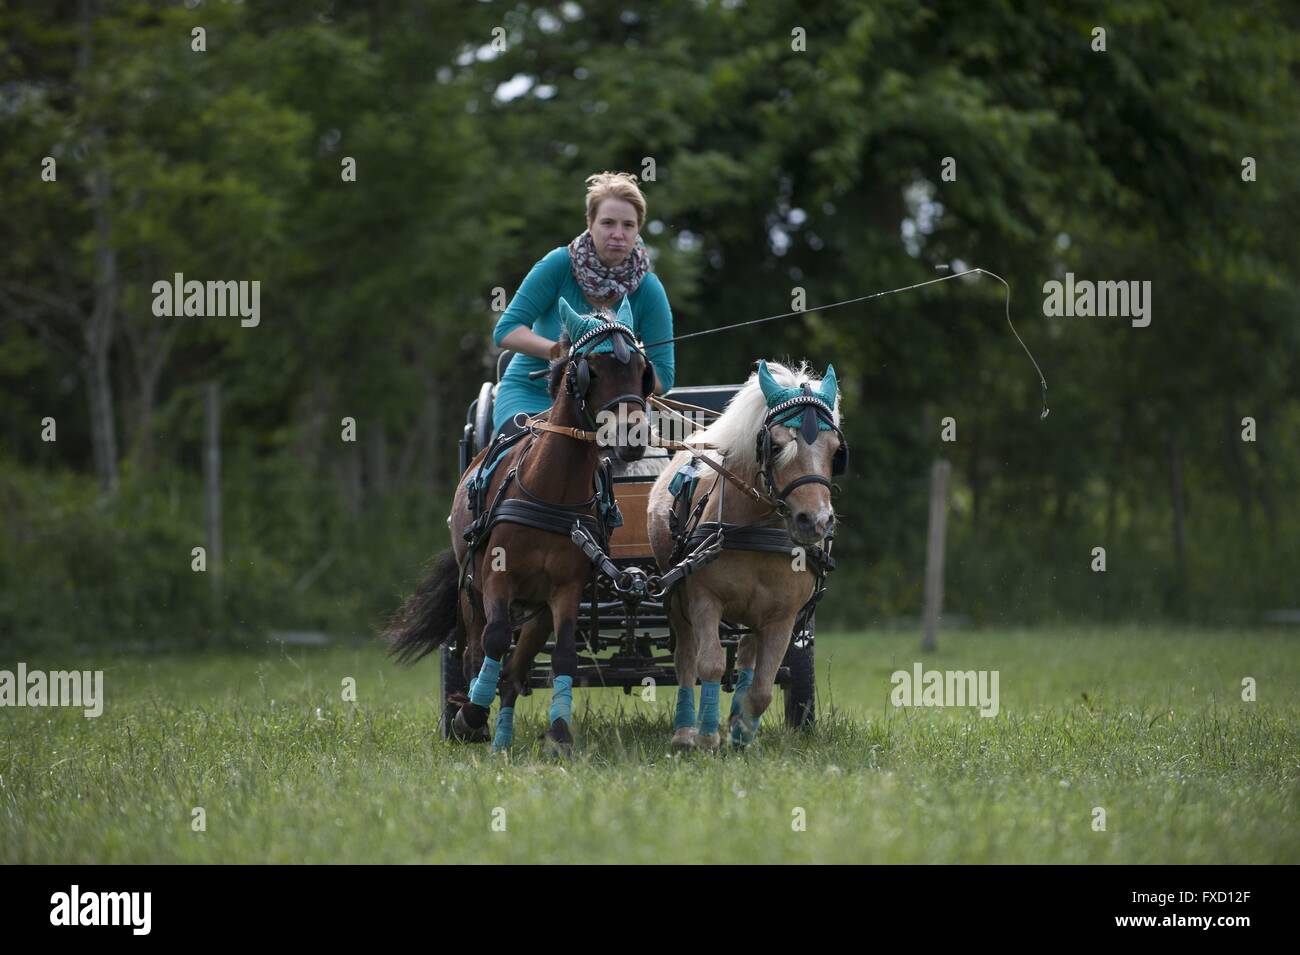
(767, 382)
(829, 386)
(625, 313)
(570, 319)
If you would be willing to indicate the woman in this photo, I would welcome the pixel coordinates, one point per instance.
(595, 271)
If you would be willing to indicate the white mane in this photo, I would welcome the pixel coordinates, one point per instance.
(735, 432)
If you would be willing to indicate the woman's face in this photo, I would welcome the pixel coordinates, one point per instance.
(613, 230)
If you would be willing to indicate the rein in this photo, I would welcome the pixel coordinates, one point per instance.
(538, 423)
(579, 435)
(771, 498)
(749, 490)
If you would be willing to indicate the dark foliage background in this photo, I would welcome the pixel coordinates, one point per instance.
(772, 169)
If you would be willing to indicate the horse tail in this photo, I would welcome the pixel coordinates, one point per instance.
(429, 616)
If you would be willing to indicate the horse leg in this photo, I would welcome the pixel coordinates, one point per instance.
(470, 662)
(519, 668)
(711, 661)
(497, 632)
(564, 667)
(685, 664)
(746, 652)
(772, 641)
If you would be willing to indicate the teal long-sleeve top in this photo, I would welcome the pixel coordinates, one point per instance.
(536, 306)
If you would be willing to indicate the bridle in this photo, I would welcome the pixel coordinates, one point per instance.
(577, 382)
(815, 412)
(577, 374)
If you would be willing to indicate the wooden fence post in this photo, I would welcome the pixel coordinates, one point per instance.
(934, 548)
(212, 492)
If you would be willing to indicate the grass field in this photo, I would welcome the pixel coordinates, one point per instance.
(286, 772)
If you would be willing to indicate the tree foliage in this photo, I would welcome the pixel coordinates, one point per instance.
(784, 145)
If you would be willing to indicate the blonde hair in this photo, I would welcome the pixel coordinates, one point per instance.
(615, 185)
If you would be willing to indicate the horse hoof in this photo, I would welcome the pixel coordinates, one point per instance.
(741, 738)
(684, 740)
(708, 741)
(463, 732)
(558, 741)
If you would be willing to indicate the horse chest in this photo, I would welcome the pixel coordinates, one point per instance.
(752, 588)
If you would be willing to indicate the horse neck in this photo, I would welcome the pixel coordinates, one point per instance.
(739, 507)
(561, 468)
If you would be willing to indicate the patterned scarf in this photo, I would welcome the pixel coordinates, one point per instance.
(602, 285)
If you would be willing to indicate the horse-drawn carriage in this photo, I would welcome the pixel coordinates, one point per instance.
(661, 587)
(628, 643)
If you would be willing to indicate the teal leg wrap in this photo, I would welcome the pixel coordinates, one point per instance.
(505, 728)
(743, 679)
(685, 714)
(562, 700)
(484, 688)
(744, 728)
(710, 692)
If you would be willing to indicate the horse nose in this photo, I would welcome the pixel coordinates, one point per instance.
(814, 525)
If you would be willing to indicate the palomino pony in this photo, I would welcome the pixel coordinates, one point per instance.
(511, 556)
(781, 429)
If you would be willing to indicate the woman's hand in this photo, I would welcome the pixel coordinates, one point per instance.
(557, 351)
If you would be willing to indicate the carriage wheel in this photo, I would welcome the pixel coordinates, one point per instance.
(451, 677)
(800, 691)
